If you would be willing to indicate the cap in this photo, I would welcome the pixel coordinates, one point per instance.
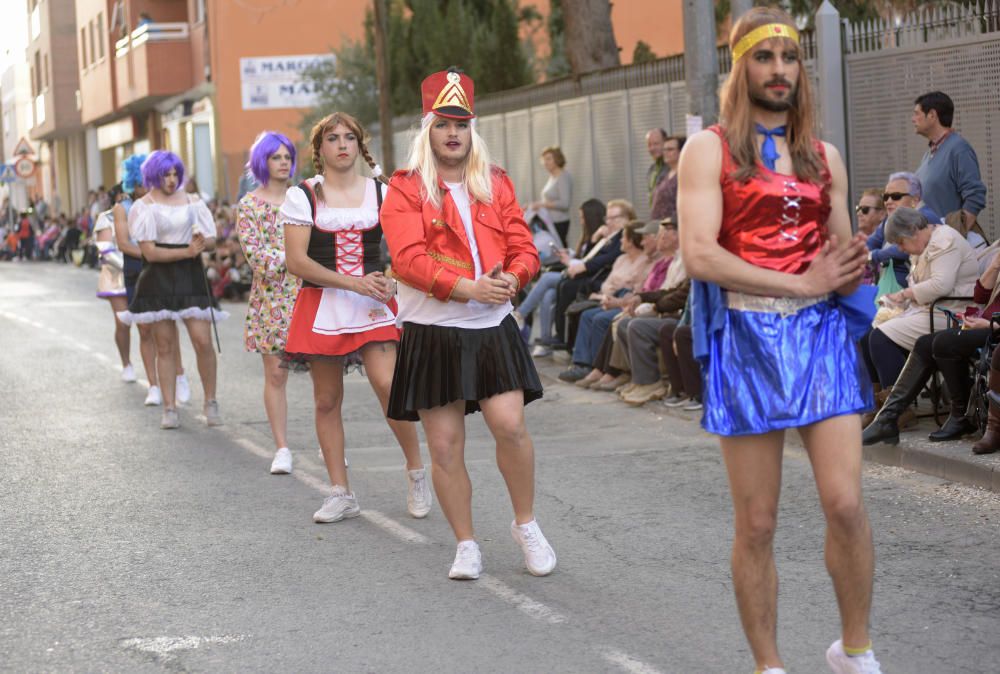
(448, 93)
(651, 227)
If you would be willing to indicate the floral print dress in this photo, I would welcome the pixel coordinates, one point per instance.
(272, 295)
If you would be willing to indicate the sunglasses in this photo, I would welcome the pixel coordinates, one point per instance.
(865, 210)
(895, 196)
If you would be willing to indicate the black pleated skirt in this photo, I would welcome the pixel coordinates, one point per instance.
(437, 365)
(172, 290)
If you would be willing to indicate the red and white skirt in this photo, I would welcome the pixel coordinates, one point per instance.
(331, 322)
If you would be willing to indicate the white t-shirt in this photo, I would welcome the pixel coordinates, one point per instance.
(169, 223)
(416, 306)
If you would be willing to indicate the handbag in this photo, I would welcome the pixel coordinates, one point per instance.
(887, 283)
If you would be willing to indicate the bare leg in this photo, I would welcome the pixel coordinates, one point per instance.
(380, 360)
(754, 466)
(122, 336)
(328, 395)
(834, 447)
(444, 428)
(200, 333)
(275, 400)
(177, 350)
(504, 415)
(147, 349)
(165, 335)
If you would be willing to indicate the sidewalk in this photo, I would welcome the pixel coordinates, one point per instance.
(952, 461)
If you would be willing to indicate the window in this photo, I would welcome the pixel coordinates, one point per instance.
(34, 92)
(199, 11)
(45, 70)
(83, 48)
(93, 47)
(38, 73)
(102, 35)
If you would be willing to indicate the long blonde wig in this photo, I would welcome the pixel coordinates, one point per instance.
(476, 175)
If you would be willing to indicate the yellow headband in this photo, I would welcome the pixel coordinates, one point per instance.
(761, 33)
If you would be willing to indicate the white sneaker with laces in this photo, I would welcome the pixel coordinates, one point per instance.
(128, 374)
(339, 505)
(282, 464)
(541, 351)
(418, 496)
(183, 390)
(468, 562)
(170, 420)
(842, 663)
(154, 397)
(539, 556)
(212, 416)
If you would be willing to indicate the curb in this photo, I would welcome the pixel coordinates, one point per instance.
(952, 461)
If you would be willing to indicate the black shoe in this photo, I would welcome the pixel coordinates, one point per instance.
(953, 429)
(575, 373)
(883, 429)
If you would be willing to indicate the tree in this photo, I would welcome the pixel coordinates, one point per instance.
(642, 53)
(590, 37)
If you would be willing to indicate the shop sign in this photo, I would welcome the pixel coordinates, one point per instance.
(277, 82)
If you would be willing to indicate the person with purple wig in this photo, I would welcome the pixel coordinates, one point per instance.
(132, 189)
(172, 230)
(273, 292)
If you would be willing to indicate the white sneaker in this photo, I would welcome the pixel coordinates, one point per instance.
(539, 556)
(282, 464)
(212, 416)
(183, 390)
(675, 401)
(842, 663)
(418, 496)
(773, 670)
(170, 420)
(541, 351)
(468, 562)
(692, 406)
(154, 397)
(128, 374)
(338, 506)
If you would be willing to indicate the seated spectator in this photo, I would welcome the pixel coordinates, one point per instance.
(949, 352)
(69, 241)
(944, 265)
(585, 276)
(48, 239)
(627, 275)
(542, 295)
(870, 212)
(664, 203)
(683, 371)
(902, 190)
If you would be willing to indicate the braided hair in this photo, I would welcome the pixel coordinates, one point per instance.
(316, 142)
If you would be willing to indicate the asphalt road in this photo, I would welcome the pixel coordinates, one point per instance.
(127, 548)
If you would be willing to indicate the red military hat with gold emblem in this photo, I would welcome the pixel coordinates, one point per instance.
(448, 93)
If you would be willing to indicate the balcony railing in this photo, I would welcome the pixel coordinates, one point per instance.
(152, 32)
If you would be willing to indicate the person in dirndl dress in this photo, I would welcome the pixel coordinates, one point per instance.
(461, 249)
(273, 291)
(172, 230)
(346, 308)
(777, 310)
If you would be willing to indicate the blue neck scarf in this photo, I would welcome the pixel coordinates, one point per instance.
(768, 152)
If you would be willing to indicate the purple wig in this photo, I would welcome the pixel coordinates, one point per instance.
(157, 165)
(267, 143)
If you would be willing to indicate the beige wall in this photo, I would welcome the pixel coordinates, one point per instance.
(97, 82)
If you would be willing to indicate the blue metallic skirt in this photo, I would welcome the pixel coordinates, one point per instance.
(780, 363)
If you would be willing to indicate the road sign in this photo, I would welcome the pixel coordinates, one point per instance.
(23, 147)
(24, 167)
(7, 174)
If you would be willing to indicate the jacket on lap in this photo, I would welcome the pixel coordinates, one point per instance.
(429, 247)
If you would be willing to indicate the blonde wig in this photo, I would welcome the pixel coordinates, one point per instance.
(476, 174)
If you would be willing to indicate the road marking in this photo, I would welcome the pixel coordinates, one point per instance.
(524, 603)
(165, 647)
(627, 662)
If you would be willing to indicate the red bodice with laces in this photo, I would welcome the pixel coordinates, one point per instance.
(773, 220)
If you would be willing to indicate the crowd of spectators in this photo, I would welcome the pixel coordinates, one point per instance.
(617, 302)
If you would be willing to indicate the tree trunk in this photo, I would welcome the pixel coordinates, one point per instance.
(590, 37)
(384, 88)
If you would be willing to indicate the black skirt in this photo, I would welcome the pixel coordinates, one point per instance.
(172, 290)
(438, 365)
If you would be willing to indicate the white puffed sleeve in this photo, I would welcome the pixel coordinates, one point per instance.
(295, 210)
(141, 222)
(204, 223)
(104, 221)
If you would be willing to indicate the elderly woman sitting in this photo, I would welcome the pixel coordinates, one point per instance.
(942, 264)
(949, 351)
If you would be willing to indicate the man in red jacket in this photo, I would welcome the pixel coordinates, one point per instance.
(461, 250)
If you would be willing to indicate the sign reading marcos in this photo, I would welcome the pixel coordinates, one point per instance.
(277, 82)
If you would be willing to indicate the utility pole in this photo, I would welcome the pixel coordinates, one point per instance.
(738, 8)
(384, 87)
(701, 62)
